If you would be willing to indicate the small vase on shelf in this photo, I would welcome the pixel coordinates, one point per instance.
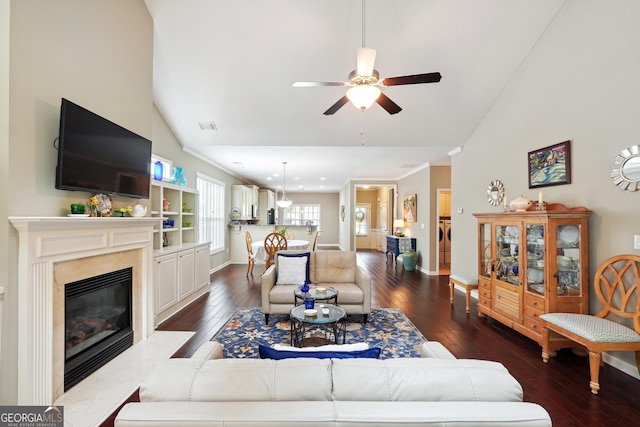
(178, 176)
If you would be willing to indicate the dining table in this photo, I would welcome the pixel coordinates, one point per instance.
(260, 254)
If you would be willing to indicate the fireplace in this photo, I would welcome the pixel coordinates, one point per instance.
(98, 322)
(54, 252)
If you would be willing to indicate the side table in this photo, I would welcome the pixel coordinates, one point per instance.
(397, 245)
(329, 296)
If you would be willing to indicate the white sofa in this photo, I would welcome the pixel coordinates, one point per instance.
(435, 390)
(336, 269)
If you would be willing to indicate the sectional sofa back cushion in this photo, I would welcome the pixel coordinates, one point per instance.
(227, 380)
(413, 379)
(334, 267)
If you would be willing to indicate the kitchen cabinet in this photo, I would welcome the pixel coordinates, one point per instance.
(164, 273)
(266, 201)
(531, 263)
(444, 203)
(243, 198)
(203, 263)
(180, 275)
(186, 273)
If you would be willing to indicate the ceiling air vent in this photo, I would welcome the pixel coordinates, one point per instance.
(409, 166)
(207, 126)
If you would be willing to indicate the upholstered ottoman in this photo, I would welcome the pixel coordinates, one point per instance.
(466, 281)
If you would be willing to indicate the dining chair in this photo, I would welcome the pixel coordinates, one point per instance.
(272, 244)
(288, 233)
(252, 257)
(315, 242)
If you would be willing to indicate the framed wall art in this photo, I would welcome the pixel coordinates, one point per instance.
(550, 165)
(410, 208)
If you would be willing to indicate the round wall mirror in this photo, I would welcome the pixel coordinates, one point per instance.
(625, 170)
(495, 193)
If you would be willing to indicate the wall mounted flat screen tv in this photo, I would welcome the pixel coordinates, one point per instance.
(99, 156)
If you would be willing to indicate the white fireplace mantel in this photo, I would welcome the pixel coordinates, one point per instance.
(45, 241)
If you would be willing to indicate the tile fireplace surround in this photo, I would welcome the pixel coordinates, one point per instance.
(58, 250)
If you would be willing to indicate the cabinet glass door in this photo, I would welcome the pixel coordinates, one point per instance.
(485, 250)
(535, 258)
(507, 252)
(568, 260)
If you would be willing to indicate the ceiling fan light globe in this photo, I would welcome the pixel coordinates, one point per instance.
(363, 96)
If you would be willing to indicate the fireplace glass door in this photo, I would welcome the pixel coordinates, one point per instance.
(97, 322)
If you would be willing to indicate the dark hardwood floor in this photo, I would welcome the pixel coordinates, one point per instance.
(561, 387)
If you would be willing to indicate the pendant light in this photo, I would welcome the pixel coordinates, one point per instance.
(284, 202)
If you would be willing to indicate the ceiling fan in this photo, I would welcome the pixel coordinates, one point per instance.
(365, 84)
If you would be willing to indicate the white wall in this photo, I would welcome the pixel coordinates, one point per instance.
(579, 83)
(97, 54)
(4, 164)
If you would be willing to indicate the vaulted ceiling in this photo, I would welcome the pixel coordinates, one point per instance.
(232, 63)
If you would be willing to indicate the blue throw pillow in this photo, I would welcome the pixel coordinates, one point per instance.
(292, 269)
(271, 353)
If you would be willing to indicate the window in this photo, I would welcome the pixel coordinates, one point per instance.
(300, 214)
(211, 212)
(362, 219)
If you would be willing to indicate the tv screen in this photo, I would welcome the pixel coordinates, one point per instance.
(97, 155)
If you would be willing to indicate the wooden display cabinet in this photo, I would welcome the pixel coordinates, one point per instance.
(533, 262)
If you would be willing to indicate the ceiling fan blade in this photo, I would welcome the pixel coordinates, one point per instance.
(385, 102)
(412, 80)
(365, 60)
(335, 107)
(318, 84)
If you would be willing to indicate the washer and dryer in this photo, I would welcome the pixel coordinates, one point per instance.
(445, 242)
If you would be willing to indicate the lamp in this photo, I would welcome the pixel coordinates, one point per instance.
(363, 96)
(284, 202)
(398, 224)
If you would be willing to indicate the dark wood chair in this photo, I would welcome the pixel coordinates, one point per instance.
(617, 286)
(273, 243)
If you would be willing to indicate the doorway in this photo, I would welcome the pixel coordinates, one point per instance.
(443, 231)
(377, 203)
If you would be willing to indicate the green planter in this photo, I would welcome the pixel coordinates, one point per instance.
(409, 260)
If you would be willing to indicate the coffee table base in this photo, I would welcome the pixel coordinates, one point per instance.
(333, 331)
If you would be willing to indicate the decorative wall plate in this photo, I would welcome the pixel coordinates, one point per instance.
(104, 206)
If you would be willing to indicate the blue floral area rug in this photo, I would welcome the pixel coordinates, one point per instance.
(387, 328)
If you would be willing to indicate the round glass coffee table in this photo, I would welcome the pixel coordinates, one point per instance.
(330, 320)
(318, 293)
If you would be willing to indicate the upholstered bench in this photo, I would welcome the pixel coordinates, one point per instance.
(466, 281)
(617, 286)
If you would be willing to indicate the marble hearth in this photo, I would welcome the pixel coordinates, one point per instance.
(58, 250)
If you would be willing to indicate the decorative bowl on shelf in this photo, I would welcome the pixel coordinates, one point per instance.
(520, 204)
